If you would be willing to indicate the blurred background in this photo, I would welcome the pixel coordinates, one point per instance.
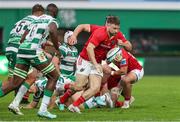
(152, 26)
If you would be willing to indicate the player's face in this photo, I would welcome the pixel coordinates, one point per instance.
(118, 57)
(113, 29)
(69, 42)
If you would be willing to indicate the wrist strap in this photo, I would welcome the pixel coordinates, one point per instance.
(112, 72)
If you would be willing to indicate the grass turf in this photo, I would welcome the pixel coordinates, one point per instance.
(157, 99)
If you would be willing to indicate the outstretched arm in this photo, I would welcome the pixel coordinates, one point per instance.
(79, 29)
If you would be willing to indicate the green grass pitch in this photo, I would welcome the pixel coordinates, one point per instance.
(157, 99)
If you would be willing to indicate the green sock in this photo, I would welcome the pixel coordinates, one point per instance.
(85, 106)
(48, 93)
(1, 92)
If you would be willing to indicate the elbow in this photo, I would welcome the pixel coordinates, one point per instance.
(128, 47)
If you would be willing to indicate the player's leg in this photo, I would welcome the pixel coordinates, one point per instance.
(20, 74)
(81, 81)
(48, 69)
(60, 89)
(36, 97)
(82, 73)
(25, 87)
(31, 78)
(11, 57)
(94, 87)
(127, 81)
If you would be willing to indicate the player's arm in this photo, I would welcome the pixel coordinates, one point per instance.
(79, 29)
(53, 34)
(24, 36)
(127, 45)
(91, 55)
(121, 71)
(47, 43)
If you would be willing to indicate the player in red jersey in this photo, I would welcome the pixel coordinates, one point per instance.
(89, 69)
(130, 71)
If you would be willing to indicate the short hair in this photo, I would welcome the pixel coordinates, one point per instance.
(52, 9)
(113, 20)
(37, 7)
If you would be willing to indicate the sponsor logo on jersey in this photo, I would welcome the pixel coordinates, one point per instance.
(82, 69)
(123, 61)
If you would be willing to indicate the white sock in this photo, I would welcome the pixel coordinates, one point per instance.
(44, 103)
(21, 92)
(90, 103)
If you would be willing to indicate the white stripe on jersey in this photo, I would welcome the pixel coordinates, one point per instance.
(12, 49)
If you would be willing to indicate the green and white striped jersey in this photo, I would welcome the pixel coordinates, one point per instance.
(19, 29)
(69, 57)
(38, 33)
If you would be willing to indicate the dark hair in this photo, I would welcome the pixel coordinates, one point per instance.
(52, 10)
(37, 7)
(113, 20)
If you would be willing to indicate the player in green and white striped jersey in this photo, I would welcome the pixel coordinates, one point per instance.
(67, 68)
(16, 34)
(15, 37)
(69, 54)
(31, 53)
(14, 42)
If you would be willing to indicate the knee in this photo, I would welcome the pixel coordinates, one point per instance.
(78, 87)
(95, 89)
(125, 80)
(14, 84)
(53, 77)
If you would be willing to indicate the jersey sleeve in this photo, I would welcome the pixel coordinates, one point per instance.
(124, 61)
(122, 37)
(94, 27)
(63, 51)
(97, 37)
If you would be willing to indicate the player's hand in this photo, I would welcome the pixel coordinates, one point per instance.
(120, 42)
(73, 40)
(106, 69)
(99, 68)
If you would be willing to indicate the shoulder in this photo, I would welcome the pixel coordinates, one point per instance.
(94, 27)
(49, 19)
(100, 32)
(120, 34)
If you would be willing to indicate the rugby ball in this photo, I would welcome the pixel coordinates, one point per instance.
(114, 54)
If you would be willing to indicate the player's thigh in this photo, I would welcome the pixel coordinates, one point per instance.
(135, 75)
(21, 68)
(105, 78)
(32, 74)
(43, 64)
(131, 77)
(95, 81)
(81, 81)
